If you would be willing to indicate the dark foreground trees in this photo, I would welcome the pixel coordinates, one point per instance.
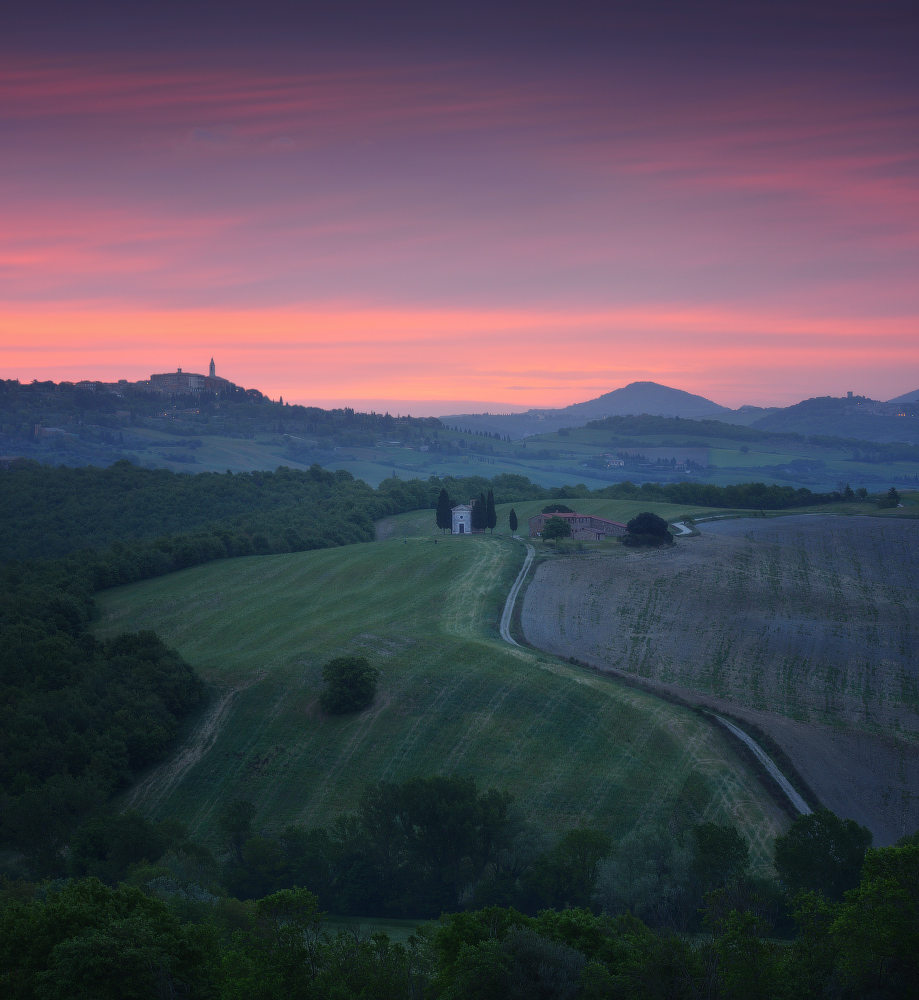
(86, 941)
(822, 853)
(438, 847)
(351, 685)
(512, 520)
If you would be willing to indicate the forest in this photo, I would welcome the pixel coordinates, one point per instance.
(149, 912)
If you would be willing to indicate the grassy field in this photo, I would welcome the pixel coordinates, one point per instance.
(575, 748)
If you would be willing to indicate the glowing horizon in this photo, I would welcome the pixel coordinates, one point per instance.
(420, 225)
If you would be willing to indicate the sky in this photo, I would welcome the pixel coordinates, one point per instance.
(492, 207)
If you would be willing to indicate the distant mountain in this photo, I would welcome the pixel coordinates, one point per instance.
(907, 397)
(644, 397)
(635, 398)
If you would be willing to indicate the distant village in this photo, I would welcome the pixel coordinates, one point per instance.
(177, 383)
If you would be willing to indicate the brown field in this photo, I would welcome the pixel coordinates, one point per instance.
(803, 625)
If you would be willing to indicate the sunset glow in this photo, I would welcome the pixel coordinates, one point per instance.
(422, 225)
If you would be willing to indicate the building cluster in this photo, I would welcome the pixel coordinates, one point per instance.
(877, 408)
(587, 527)
(179, 383)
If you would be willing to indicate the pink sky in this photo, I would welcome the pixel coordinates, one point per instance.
(433, 229)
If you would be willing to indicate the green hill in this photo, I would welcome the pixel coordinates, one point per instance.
(575, 748)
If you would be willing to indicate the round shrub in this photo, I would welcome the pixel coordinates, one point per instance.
(647, 529)
(351, 685)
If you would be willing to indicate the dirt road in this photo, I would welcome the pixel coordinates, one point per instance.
(505, 626)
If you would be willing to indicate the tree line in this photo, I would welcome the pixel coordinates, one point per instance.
(174, 520)
(668, 912)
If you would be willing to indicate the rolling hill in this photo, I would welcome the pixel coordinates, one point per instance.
(575, 748)
(646, 397)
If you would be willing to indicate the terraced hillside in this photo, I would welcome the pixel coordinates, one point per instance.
(808, 617)
(573, 747)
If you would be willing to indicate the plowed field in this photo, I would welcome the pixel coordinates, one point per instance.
(810, 618)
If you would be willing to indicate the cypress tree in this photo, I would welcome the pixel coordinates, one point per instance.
(479, 518)
(444, 513)
(512, 520)
(491, 515)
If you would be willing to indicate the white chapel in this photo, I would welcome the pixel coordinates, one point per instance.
(462, 519)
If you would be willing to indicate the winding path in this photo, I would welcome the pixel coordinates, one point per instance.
(768, 763)
(505, 627)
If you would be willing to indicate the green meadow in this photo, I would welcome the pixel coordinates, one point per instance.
(573, 747)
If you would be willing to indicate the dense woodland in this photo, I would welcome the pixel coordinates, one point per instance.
(149, 912)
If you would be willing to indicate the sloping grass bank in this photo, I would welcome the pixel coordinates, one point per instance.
(575, 748)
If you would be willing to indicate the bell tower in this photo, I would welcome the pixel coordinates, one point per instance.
(213, 369)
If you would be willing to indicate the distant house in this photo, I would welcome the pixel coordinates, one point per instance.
(462, 520)
(586, 527)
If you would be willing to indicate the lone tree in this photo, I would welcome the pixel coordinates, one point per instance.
(556, 508)
(444, 513)
(491, 515)
(512, 519)
(647, 529)
(556, 528)
(351, 685)
(479, 514)
(892, 499)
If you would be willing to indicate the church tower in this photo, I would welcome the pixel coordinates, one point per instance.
(213, 369)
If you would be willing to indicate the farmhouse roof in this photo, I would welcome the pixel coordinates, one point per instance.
(593, 517)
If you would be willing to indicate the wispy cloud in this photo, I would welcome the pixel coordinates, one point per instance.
(339, 226)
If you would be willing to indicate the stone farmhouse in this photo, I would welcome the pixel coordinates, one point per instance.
(586, 527)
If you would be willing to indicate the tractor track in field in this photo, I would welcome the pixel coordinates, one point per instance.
(160, 782)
